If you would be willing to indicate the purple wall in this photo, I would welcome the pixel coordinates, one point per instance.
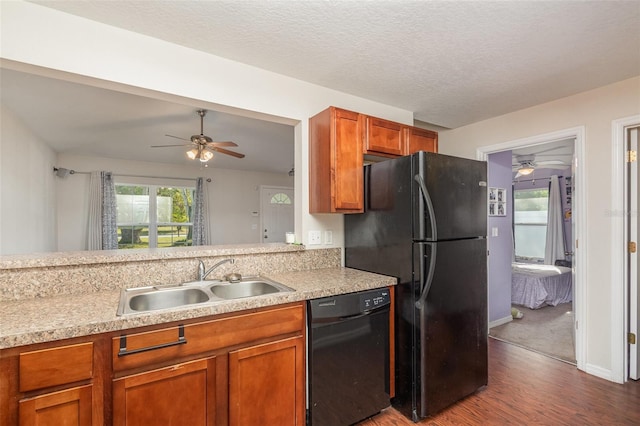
(499, 175)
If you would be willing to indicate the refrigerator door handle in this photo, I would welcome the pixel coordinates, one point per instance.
(427, 200)
(426, 286)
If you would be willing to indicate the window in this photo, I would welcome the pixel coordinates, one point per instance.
(530, 223)
(153, 216)
(280, 198)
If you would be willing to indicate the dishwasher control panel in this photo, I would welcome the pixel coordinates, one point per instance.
(374, 299)
(347, 305)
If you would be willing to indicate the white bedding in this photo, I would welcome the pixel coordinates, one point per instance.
(535, 286)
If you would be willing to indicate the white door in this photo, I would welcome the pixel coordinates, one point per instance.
(277, 213)
(632, 224)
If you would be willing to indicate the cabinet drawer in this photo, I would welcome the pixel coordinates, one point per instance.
(56, 366)
(145, 348)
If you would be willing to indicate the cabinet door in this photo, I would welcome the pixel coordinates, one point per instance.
(65, 408)
(421, 140)
(335, 162)
(266, 384)
(384, 137)
(346, 165)
(179, 395)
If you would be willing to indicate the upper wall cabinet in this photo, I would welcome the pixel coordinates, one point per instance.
(335, 162)
(384, 137)
(338, 141)
(420, 140)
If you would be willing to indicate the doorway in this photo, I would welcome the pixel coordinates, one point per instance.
(534, 287)
(577, 220)
(277, 218)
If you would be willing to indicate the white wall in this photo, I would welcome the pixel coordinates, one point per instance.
(233, 196)
(27, 190)
(71, 44)
(595, 110)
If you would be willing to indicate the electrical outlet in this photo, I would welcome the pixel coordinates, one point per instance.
(315, 238)
(328, 237)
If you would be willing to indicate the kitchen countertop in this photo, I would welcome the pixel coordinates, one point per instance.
(46, 319)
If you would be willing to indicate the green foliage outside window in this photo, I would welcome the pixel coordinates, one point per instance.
(135, 220)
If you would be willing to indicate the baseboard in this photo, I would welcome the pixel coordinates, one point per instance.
(603, 373)
(500, 321)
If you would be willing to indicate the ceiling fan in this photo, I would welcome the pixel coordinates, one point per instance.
(203, 146)
(526, 164)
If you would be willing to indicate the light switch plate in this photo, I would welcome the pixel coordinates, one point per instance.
(315, 238)
(328, 237)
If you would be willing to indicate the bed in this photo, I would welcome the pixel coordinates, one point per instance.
(535, 286)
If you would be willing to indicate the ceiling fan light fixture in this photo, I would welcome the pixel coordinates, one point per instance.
(525, 170)
(192, 153)
(206, 156)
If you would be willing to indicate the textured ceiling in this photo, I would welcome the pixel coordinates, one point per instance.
(450, 62)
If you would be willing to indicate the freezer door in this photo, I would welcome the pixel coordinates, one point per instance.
(380, 239)
(450, 196)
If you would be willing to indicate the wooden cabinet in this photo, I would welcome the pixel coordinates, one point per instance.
(237, 368)
(420, 140)
(241, 369)
(389, 139)
(50, 386)
(384, 137)
(338, 141)
(335, 162)
(68, 407)
(266, 384)
(180, 394)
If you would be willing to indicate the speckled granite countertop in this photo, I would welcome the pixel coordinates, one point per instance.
(45, 319)
(39, 260)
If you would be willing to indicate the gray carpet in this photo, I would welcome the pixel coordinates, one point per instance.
(548, 330)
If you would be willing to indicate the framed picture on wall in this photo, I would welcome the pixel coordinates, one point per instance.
(497, 202)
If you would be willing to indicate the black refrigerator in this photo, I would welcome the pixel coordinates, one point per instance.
(425, 222)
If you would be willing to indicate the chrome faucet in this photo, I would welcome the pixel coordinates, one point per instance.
(202, 274)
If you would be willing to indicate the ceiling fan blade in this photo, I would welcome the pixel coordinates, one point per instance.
(177, 137)
(226, 143)
(226, 151)
(164, 146)
(554, 166)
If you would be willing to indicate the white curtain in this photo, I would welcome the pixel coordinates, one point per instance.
(103, 232)
(554, 247)
(200, 233)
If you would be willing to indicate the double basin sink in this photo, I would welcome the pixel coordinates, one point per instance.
(145, 299)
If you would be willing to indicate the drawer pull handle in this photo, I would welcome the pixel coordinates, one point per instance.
(123, 344)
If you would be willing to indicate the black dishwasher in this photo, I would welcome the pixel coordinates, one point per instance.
(348, 356)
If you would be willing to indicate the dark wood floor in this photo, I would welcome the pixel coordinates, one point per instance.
(526, 388)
